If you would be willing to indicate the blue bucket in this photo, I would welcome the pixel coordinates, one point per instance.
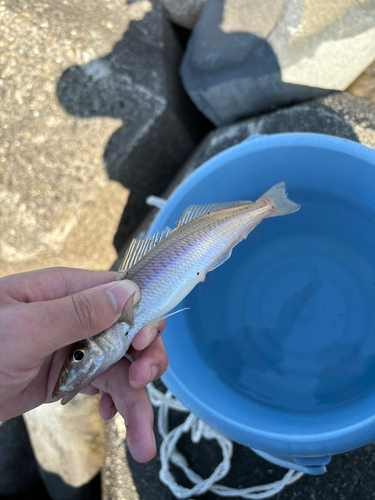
(277, 351)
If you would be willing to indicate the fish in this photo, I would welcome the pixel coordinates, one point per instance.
(166, 267)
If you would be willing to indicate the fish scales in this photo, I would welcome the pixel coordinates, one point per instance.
(186, 255)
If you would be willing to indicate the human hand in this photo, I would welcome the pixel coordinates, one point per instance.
(42, 313)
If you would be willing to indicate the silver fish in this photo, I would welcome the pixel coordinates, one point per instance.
(166, 267)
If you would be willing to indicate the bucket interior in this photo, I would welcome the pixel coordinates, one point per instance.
(284, 331)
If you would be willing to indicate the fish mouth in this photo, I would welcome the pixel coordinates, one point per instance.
(59, 392)
(65, 395)
(68, 392)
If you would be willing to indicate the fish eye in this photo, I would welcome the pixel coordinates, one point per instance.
(78, 355)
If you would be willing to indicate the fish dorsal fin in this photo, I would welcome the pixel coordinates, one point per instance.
(138, 249)
(194, 211)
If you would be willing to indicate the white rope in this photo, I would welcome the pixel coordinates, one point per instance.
(199, 430)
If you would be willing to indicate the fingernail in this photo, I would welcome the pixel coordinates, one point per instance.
(152, 374)
(119, 293)
(151, 334)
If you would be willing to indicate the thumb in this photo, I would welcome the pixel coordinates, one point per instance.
(63, 321)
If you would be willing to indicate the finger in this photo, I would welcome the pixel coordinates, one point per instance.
(56, 323)
(150, 365)
(147, 335)
(89, 391)
(52, 283)
(135, 408)
(107, 408)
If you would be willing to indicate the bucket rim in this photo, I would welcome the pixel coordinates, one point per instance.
(255, 143)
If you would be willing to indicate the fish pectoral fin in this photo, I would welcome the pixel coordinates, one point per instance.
(127, 315)
(138, 249)
(221, 261)
(194, 211)
(167, 316)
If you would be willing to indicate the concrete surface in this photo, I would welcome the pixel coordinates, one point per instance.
(364, 85)
(92, 110)
(57, 204)
(67, 440)
(245, 58)
(185, 13)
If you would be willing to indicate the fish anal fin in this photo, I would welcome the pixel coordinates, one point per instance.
(138, 249)
(194, 211)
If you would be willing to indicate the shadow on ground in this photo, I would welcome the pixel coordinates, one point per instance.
(138, 82)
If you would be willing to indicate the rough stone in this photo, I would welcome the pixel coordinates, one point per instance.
(364, 85)
(117, 481)
(18, 468)
(55, 195)
(90, 98)
(185, 13)
(339, 114)
(244, 58)
(67, 443)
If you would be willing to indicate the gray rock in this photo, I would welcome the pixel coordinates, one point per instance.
(244, 58)
(18, 468)
(183, 12)
(67, 442)
(339, 114)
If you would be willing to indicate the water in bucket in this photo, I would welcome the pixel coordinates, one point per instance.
(288, 321)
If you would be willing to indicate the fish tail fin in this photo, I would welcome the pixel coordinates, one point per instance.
(278, 198)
